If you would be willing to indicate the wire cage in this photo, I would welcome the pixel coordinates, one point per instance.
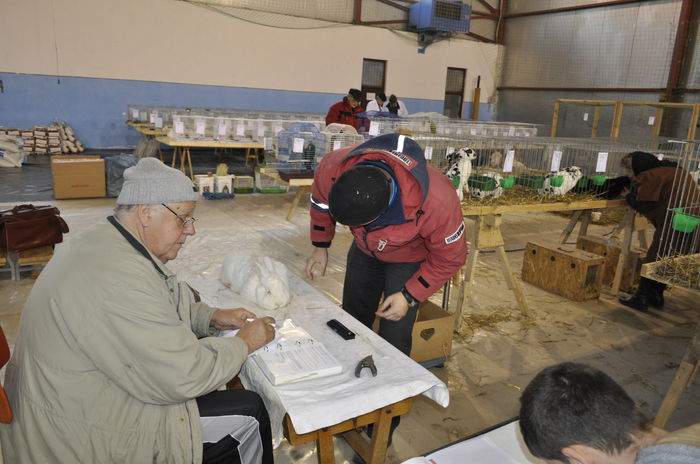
(678, 255)
(339, 136)
(299, 147)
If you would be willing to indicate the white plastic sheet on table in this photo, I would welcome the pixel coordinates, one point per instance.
(323, 402)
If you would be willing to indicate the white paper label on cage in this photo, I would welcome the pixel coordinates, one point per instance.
(472, 131)
(370, 96)
(585, 116)
(336, 144)
(508, 162)
(651, 120)
(222, 128)
(459, 131)
(152, 118)
(373, 128)
(511, 131)
(278, 129)
(240, 129)
(556, 161)
(660, 156)
(298, 145)
(602, 162)
(267, 143)
(134, 113)
(159, 123)
(199, 128)
(261, 130)
(179, 127)
(449, 150)
(428, 152)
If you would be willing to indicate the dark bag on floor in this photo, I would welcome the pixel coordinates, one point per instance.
(27, 226)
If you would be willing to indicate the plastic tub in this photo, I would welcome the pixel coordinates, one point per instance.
(684, 222)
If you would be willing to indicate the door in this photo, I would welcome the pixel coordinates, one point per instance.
(454, 92)
(373, 79)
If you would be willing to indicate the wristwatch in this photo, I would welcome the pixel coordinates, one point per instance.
(411, 301)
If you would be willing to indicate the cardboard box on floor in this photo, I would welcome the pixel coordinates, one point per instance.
(78, 176)
(432, 334)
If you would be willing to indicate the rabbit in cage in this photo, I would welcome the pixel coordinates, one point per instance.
(460, 166)
(561, 182)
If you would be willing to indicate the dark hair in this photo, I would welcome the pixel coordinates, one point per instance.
(572, 403)
(356, 94)
(381, 96)
(640, 161)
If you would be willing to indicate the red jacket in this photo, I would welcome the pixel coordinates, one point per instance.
(434, 227)
(343, 113)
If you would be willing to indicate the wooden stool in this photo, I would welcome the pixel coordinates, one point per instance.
(32, 260)
(251, 154)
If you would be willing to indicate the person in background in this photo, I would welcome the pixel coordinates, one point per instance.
(344, 112)
(378, 104)
(657, 187)
(396, 106)
(574, 413)
(115, 362)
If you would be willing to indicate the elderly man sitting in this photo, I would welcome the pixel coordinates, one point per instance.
(114, 362)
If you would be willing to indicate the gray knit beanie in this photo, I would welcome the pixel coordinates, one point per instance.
(151, 182)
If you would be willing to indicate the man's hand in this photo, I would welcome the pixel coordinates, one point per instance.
(229, 319)
(394, 307)
(257, 333)
(318, 256)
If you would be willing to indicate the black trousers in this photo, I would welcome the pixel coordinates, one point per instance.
(242, 416)
(366, 279)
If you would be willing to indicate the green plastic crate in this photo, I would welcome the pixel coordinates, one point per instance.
(484, 183)
(528, 180)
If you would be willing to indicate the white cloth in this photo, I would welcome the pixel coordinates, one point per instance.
(403, 111)
(374, 106)
(318, 403)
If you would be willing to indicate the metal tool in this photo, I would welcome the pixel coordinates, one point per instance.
(366, 362)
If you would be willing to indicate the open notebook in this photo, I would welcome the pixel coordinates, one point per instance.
(294, 356)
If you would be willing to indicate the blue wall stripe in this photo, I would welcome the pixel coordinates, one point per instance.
(96, 108)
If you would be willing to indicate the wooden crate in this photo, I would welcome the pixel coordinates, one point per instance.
(567, 271)
(610, 250)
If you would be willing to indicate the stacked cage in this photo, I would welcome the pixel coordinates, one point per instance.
(678, 255)
(299, 147)
(338, 136)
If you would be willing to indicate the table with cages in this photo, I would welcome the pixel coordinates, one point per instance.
(182, 150)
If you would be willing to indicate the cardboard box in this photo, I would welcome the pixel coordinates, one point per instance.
(569, 272)
(78, 176)
(432, 334)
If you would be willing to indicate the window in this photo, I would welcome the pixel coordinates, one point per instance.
(454, 92)
(373, 78)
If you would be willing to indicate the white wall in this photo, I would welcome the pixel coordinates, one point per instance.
(173, 41)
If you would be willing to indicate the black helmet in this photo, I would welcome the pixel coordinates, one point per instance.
(360, 195)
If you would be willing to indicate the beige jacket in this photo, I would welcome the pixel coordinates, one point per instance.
(109, 359)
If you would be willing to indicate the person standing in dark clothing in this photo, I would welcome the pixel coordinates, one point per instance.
(344, 112)
(658, 187)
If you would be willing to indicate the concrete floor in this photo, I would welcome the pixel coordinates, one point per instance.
(494, 356)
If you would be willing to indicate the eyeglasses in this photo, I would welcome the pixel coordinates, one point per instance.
(186, 221)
